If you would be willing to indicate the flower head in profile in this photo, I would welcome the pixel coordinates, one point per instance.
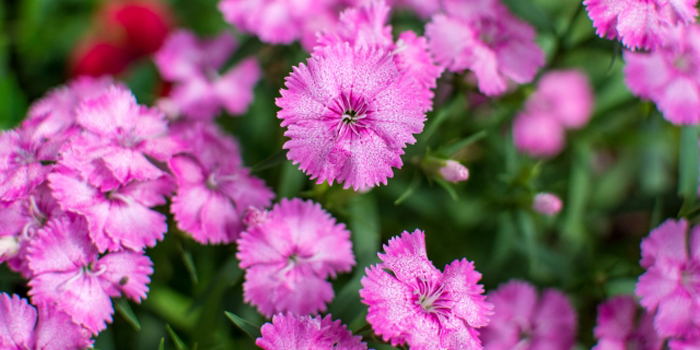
(200, 91)
(668, 75)
(290, 254)
(671, 283)
(621, 326)
(68, 272)
(547, 203)
(523, 320)
(349, 113)
(484, 37)
(289, 331)
(411, 301)
(214, 189)
(22, 327)
(639, 23)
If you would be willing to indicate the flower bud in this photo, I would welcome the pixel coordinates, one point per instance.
(547, 204)
(254, 216)
(454, 172)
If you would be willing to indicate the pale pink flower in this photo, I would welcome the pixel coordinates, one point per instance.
(669, 75)
(453, 171)
(349, 114)
(69, 272)
(120, 136)
(621, 326)
(565, 95)
(484, 37)
(288, 331)
(200, 92)
(538, 135)
(411, 301)
(547, 203)
(119, 218)
(52, 329)
(289, 256)
(639, 23)
(671, 284)
(523, 320)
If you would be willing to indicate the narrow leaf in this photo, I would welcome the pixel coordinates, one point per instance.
(412, 187)
(189, 265)
(179, 344)
(271, 161)
(162, 344)
(448, 187)
(122, 306)
(245, 326)
(449, 150)
(688, 163)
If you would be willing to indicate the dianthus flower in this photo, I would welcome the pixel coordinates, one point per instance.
(193, 64)
(522, 320)
(671, 284)
(538, 135)
(51, 329)
(564, 95)
(288, 331)
(289, 255)
(639, 23)
(118, 218)
(214, 189)
(20, 221)
(349, 114)
(281, 21)
(411, 301)
(484, 37)
(620, 326)
(668, 75)
(69, 272)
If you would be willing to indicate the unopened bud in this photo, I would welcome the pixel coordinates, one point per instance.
(9, 246)
(547, 203)
(453, 171)
(254, 216)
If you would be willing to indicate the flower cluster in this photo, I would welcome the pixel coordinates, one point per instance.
(621, 326)
(193, 66)
(563, 100)
(411, 301)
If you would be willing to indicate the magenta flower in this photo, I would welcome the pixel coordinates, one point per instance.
(119, 218)
(538, 135)
(289, 255)
(484, 37)
(69, 272)
(639, 23)
(565, 95)
(620, 327)
(668, 75)
(349, 114)
(53, 329)
(119, 136)
(671, 284)
(214, 189)
(411, 301)
(288, 331)
(522, 320)
(547, 203)
(193, 64)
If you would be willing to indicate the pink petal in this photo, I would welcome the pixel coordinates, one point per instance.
(461, 279)
(667, 242)
(406, 257)
(17, 319)
(235, 88)
(110, 112)
(126, 272)
(55, 330)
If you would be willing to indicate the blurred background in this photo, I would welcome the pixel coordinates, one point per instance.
(618, 177)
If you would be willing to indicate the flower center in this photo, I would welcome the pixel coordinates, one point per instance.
(353, 112)
(690, 278)
(432, 296)
(683, 63)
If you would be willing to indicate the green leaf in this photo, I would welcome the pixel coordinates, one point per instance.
(459, 103)
(179, 344)
(271, 161)
(451, 149)
(531, 13)
(448, 187)
(122, 306)
(245, 326)
(189, 265)
(291, 181)
(412, 187)
(162, 344)
(688, 163)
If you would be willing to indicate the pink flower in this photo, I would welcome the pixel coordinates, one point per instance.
(522, 320)
(349, 114)
(53, 329)
(620, 327)
(639, 23)
(668, 75)
(413, 59)
(565, 95)
(119, 218)
(453, 171)
(483, 36)
(214, 189)
(538, 135)
(547, 203)
(671, 284)
(289, 255)
(69, 272)
(200, 91)
(410, 301)
(305, 332)
(424, 8)
(119, 137)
